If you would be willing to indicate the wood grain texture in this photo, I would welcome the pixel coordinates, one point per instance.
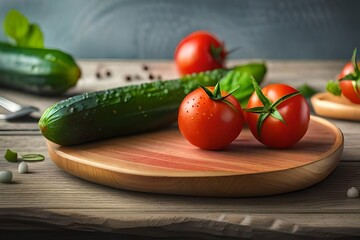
(204, 226)
(163, 162)
(49, 187)
(339, 107)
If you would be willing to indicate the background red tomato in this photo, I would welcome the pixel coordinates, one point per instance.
(210, 124)
(347, 87)
(295, 112)
(347, 69)
(195, 53)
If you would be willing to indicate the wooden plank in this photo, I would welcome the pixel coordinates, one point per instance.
(47, 186)
(296, 73)
(160, 224)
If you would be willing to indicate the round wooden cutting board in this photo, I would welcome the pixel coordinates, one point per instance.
(164, 162)
(328, 105)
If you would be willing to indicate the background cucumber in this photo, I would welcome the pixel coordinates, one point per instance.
(37, 70)
(126, 110)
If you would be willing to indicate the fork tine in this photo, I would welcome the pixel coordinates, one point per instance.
(9, 105)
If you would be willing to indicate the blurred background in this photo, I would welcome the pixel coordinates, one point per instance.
(151, 29)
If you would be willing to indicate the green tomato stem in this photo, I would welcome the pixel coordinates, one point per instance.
(269, 108)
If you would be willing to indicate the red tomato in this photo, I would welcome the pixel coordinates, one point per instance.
(294, 110)
(207, 123)
(347, 87)
(200, 51)
(347, 69)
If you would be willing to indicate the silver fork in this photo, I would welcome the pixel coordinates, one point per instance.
(15, 110)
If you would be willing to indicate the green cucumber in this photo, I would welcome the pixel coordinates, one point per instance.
(37, 70)
(126, 110)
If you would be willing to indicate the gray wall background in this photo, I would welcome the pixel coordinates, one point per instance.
(151, 29)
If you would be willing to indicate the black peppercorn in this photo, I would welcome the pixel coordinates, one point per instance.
(98, 75)
(145, 67)
(128, 78)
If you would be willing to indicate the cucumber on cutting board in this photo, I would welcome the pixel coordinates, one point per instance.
(37, 70)
(130, 109)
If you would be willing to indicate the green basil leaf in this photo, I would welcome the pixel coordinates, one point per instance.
(33, 39)
(32, 157)
(233, 80)
(241, 76)
(306, 90)
(16, 25)
(334, 88)
(24, 33)
(11, 156)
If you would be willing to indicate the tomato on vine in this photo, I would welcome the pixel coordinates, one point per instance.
(348, 83)
(198, 52)
(277, 115)
(210, 118)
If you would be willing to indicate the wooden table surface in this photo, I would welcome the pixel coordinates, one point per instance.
(49, 200)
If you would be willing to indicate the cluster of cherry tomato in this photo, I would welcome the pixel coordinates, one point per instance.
(278, 116)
